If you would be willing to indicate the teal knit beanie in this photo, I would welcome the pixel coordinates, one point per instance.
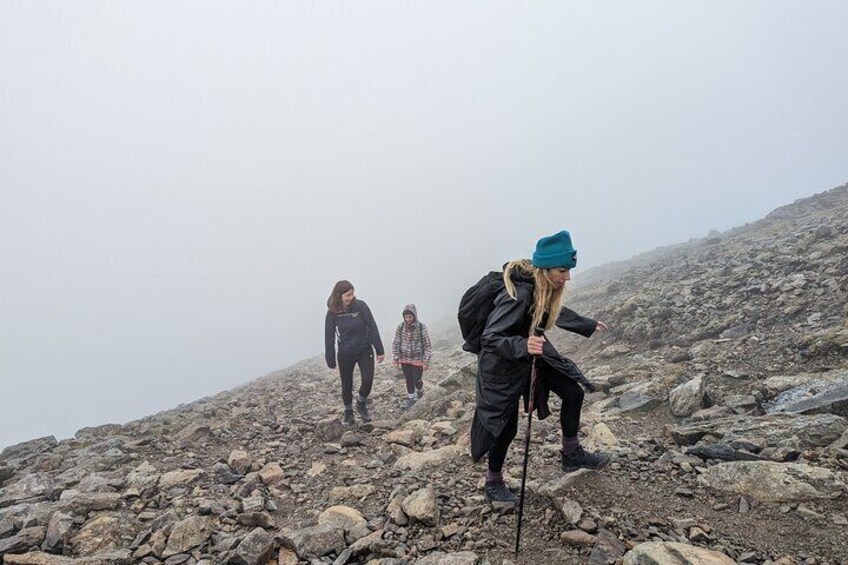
(555, 251)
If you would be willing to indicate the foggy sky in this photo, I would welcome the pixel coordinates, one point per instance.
(182, 183)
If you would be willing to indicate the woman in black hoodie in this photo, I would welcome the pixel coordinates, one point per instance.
(350, 320)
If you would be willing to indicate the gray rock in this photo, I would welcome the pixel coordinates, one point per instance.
(768, 481)
(104, 532)
(29, 448)
(820, 396)
(239, 461)
(58, 532)
(188, 534)
(255, 549)
(38, 558)
(635, 400)
(688, 397)
(419, 460)
(669, 553)
(329, 429)
(559, 487)
(811, 431)
(83, 503)
(607, 549)
(571, 511)
(23, 540)
(6, 473)
(224, 474)
(735, 332)
(721, 451)
(346, 519)
(422, 506)
(367, 544)
(441, 558)
(33, 487)
(314, 541)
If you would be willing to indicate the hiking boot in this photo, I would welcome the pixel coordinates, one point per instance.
(362, 410)
(348, 420)
(420, 393)
(497, 491)
(582, 459)
(408, 403)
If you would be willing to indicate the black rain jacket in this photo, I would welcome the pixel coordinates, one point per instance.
(503, 365)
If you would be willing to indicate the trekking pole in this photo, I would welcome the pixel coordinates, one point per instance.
(538, 332)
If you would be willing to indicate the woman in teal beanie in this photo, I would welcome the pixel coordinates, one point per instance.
(532, 297)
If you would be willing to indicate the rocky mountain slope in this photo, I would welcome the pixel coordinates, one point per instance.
(722, 398)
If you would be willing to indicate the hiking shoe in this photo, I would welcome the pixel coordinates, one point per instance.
(362, 410)
(420, 393)
(408, 403)
(582, 459)
(499, 492)
(348, 420)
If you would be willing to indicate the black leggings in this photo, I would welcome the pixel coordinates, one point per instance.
(497, 453)
(569, 418)
(365, 360)
(413, 374)
(571, 395)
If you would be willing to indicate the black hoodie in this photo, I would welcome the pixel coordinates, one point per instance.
(356, 330)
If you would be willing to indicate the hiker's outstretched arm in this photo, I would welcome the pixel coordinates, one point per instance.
(571, 321)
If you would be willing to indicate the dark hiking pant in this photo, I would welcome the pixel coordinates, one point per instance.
(413, 374)
(365, 360)
(569, 418)
(571, 395)
(497, 453)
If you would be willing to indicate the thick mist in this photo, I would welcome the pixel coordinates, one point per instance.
(182, 183)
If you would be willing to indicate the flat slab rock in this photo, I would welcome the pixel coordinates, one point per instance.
(768, 481)
(818, 396)
(440, 558)
(815, 430)
(663, 553)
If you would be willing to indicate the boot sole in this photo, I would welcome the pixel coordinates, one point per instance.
(577, 467)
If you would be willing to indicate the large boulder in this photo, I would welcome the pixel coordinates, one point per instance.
(33, 487)
(769, 481)
(422, 506)
(441, 558)
(255, 549)
(668, 553)
(315, 541)
(687, 398)
(187, 534)
(816, 396)
(178, 478)
(418, 460)
(28, 448)
(807, 431)
(347, 519)
(22, 541)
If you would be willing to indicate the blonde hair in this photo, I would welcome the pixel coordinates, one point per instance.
(546, 298)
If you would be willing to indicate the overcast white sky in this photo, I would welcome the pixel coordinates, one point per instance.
(181, 183)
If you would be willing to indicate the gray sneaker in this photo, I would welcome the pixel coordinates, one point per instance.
(348, 420)
(408, 403)
(420, 393)
(362, 410)
(498, 492)
(582, 459)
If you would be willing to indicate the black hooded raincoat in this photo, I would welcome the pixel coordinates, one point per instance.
(503, 365)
